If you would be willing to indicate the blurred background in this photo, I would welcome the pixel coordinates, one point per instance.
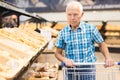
(48, 17)
(103, 13)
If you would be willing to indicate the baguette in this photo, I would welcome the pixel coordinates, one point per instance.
(17, 36)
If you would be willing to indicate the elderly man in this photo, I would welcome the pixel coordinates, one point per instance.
(77, 39)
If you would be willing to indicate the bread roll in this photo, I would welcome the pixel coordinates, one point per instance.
(52, 74)
(44, 74)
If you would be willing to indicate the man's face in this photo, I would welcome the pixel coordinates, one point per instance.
(5, 19)
(74, 16)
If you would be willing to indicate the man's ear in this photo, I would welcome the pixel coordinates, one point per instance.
(82, 14)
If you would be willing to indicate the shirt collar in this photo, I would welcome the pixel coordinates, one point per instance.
(79, 27)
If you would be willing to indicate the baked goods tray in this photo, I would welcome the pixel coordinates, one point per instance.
(25, 68)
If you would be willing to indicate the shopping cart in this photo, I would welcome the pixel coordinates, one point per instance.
(91, 71)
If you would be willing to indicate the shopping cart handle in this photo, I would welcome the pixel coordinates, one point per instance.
(118, 63)
(101, 63)
(63, 64)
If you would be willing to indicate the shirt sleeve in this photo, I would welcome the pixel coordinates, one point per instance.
(97, 37)
(60, 41)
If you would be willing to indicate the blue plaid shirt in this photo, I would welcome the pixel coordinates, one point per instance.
(79, 44)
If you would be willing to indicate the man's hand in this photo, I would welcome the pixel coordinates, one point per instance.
(109, 63)
(69, 63)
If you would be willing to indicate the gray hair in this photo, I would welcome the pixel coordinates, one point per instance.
(75, 3)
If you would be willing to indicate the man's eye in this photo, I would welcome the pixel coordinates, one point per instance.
(75, 14)
(69, 14)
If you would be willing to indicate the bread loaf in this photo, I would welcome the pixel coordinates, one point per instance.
(24, 36)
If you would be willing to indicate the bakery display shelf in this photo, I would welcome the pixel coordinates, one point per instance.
(25, 68)
(19, 50)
